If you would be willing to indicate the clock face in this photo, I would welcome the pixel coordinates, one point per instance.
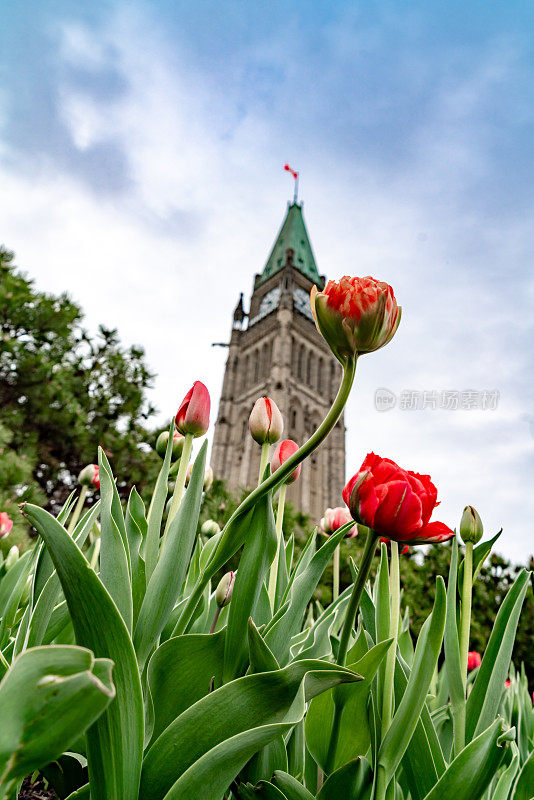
(301, 301)
(269, 303)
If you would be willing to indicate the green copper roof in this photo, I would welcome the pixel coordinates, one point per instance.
(293, 235)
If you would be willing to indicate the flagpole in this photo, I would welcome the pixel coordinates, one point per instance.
(296, 194)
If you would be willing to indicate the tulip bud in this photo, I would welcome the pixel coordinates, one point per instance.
(473, 660)
(12, 557)
(471, 528)
(170, 487)
(6, 523)
(265, 422)
(334, 519)
(188, 474)
(355, 315)
(177, 444)
(284, 450)
(193, 416)
(210, 528)
(208, 479)
(223, 593)
(90, 476)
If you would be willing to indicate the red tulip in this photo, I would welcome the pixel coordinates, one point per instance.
(355, 315)
(285, 450)
(507, 684)
(387, 542)
(6, 523)
(194, 413)
(394, 502)
(473, 660)
(265, 421)
(90, 476)
(334, 519)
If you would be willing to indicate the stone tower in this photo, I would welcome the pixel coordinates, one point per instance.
(275, 350)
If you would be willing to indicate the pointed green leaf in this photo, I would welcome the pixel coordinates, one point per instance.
(292, 789)
(114, 551)
(181, 672)
(200, 753)
(155, 511)
(409, 710)
(48, 697)
(166, 581)
(299, 593)
(486, 693)
(258, 553)
(115, 741)
(353, 781)
(472, 770)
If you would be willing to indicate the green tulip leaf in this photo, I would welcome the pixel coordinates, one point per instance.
(156, 509)
(115, 741)
(200, 753)
(166, 581)
(524, 788)
(353, 781)
(292, 789)
(472, 770)
(485, 696)
(410, 707)
(115, 567)
(181, 672)
(48, 697)
(300, 590)
(258, 553)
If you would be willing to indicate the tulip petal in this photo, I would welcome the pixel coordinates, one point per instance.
(399, 512)
(433, 533)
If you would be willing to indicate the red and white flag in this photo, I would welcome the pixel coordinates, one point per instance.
(291, 170)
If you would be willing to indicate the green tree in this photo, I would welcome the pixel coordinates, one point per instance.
(63, 392)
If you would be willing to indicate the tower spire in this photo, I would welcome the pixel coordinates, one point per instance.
(295, 175)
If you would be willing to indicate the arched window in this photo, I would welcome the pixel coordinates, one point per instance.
(309, 366)
(257, 363)
(266, 359)
(300, 366)
(320, 376)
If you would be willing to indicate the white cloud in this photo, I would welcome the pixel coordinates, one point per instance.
(165, 259)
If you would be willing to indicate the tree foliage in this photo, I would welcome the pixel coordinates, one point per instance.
(63, 392)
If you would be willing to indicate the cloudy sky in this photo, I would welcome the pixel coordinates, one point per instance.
(141, 152)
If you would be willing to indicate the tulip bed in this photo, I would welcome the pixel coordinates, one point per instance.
(127, 674)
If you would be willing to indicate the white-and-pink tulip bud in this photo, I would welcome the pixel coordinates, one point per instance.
(208, 477)
(334, 519)
(223, 592)
(265, 421)
(6, 523)
(12, 557)
(90, 476)
(284, 450)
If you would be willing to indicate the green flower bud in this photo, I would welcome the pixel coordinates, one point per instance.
(12, 556)
(177, 444)
(223, 593)
(471, 528)
(210, 528)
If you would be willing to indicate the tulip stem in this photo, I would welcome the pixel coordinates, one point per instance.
(348, 625)
(389, 675)
(263, 460)
(273, 575)
(78, 510)
(271, 483)
(356, 596)
(465, 625)
(215, 620)
(180, 482)
(335, 577)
